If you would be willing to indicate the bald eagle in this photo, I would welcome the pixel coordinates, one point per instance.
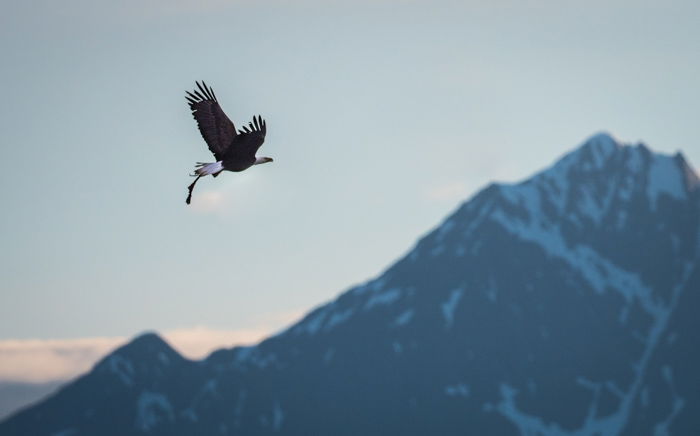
(233, 151)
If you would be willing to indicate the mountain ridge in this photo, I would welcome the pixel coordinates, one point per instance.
(567, 284)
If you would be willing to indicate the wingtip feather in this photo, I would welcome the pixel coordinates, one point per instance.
(208, 90)
(203, 90)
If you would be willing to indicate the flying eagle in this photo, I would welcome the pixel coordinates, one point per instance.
(233, 151)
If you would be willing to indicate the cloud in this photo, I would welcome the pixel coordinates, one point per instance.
(198, 342)
(40, 360)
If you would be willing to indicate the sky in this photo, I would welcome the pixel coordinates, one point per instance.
(383, 116)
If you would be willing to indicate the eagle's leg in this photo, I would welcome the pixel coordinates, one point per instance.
(190, 188)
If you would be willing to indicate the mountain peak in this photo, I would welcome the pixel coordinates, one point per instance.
(146, 343)
(604, 167)
(564, 304)
(597, 149)
(603, 141)
(144, 354)
(592, 155)
(692, 181)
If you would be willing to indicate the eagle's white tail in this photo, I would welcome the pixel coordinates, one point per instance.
(205, 169)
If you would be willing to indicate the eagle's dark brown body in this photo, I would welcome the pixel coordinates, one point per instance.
(234, 151)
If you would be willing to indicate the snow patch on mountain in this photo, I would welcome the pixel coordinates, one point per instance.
(524, 195)
(313, 323)
(591, 156)
(122, 368)
(657, 173)
(613, 424)
(328, 356)
(445, 229)
(275, 419)
(602, 146)
(404, 318)
(151, 409)
(481, 216)
(449, 306)
(491, 291)
(277, 416)
(164, 359)
(457, 390)
(665, 178)
(208, 390)
(245, 357)
(372, 285)
(338, 318)
(599, 272)
(383, 298)
(662, 428)
(238, 408)
(594, 206)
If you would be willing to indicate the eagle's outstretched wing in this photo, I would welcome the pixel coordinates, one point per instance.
(249, 139)
(216, 128)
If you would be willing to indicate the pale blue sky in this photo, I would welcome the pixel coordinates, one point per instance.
(382, 116)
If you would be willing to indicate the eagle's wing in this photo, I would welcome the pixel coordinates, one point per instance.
(249, 139)
(216, 128)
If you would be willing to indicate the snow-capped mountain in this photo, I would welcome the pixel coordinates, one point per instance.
(562, 305)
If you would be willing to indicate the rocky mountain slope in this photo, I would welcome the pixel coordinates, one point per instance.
(562, 305)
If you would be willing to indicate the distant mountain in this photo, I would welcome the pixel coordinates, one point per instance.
(563, 305)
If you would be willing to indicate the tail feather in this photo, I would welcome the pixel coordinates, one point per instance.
(205, 169)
